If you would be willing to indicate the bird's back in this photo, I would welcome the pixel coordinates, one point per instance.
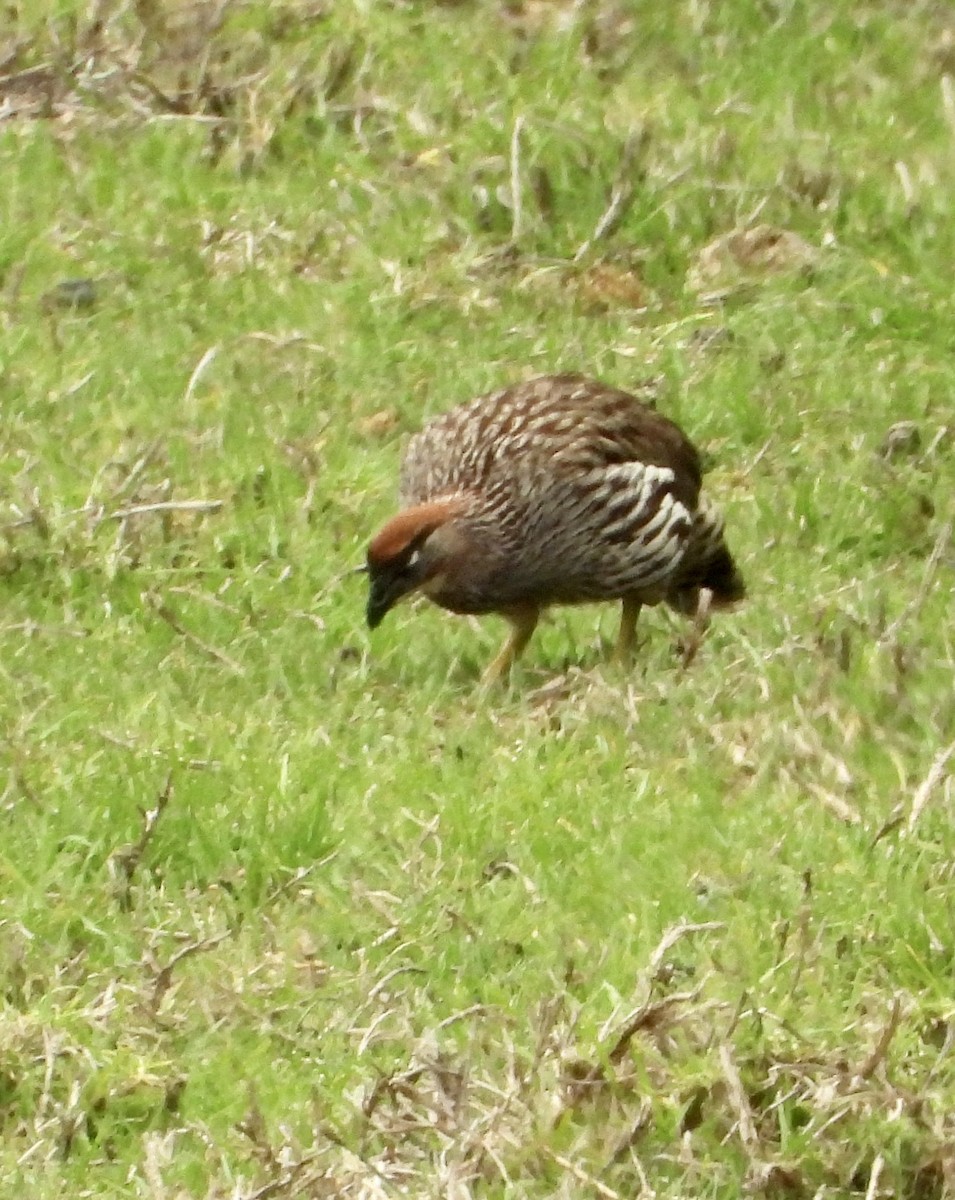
(550, 428)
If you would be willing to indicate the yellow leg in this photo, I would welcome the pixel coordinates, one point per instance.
(626, 639)
(523, 623)
(701, 622)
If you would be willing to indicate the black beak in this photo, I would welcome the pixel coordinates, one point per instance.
(386, 590)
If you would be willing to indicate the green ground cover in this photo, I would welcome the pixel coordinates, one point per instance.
(289, 910)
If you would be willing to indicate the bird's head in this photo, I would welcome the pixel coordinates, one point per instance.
(412, 553)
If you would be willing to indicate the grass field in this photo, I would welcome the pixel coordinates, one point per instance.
(288, 910)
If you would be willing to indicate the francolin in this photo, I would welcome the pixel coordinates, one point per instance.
(560, 490)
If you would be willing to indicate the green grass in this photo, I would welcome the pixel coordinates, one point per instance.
(286, 909)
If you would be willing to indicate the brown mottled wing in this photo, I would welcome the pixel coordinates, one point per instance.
(554, 427)
(615, 428)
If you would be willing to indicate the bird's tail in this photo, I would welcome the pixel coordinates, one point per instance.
(721, 575)
(708, 564)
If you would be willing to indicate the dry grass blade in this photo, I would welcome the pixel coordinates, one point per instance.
(915, 606)
(204, 363)
(126, 860)
(165, 506)
(675, 934)
(583, 1177)
(647, 1016)
(153, 752)
(517, 198)
(740, 1101)
(165, 613)
(928, 785)
(893, 821)
(838, 806)
(38, 519)
(948, 100)
(621, 194)
(878, 1165)
(295, 1181)
(879, 1051)
(633, 1134)
(163, 979)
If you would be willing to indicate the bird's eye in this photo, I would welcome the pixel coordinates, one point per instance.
(413, 559)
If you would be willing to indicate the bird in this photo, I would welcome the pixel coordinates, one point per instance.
(558, 490)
